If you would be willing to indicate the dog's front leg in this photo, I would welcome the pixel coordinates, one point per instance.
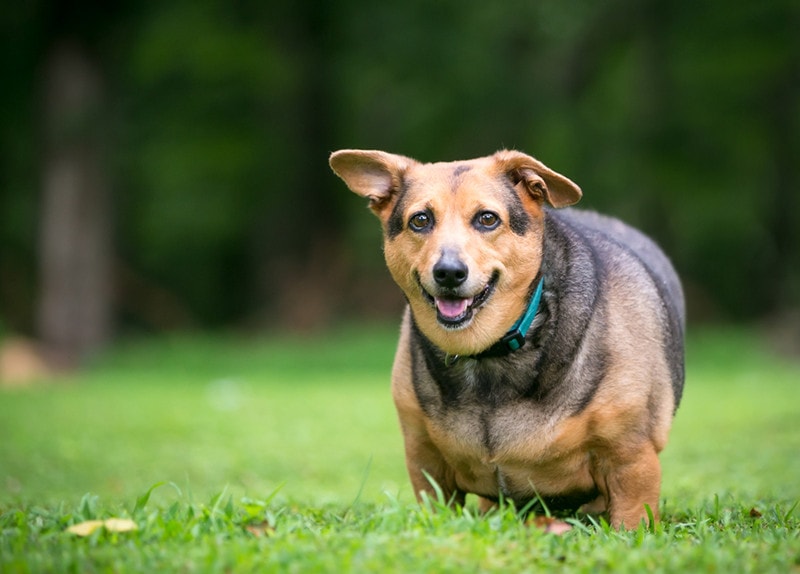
(630, 482)
(429, 473)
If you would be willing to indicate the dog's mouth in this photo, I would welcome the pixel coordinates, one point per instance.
(454, 312)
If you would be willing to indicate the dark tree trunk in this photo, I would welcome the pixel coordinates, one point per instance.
(783, 227)
(75, 310)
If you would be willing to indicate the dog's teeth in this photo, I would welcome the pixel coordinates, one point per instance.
(452, 308)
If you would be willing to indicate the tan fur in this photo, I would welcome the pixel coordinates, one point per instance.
(611, 444)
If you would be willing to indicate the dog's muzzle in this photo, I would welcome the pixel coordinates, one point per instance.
(454, 311)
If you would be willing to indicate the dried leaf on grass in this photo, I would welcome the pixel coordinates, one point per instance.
(85, 528)
(112, 525)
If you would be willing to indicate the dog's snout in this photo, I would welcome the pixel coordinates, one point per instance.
(450, 271)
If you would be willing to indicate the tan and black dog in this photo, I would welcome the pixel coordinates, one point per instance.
(541, 353)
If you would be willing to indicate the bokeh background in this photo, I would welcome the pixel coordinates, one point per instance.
(163, 165)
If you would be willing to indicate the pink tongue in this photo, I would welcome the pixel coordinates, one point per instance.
(452, 308)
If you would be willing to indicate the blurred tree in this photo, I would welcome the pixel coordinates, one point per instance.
(75, 309)
(299, 252)
(197, 89)
(681, 118)
(20, 38)
(57, 166)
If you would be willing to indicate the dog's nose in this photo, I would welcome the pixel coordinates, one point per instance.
(449, 271)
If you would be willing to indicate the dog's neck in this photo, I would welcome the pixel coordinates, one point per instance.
(514, 339)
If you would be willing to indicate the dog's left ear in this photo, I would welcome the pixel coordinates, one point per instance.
(375, 175)
(539, 180)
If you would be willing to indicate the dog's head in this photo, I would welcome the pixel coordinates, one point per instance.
(463, 240)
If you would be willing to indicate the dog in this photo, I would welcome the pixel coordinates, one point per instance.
(541, 353)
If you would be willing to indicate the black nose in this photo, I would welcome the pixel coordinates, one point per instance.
(450, 271)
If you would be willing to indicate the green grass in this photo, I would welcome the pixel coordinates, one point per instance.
(284, 455)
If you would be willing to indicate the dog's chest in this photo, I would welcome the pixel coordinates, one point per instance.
(516, 449)
(484, 433)
(484, 412)
(497, 434)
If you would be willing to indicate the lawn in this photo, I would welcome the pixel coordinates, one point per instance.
(283, 454)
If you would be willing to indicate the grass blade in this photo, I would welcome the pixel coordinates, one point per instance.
(362, 485)
(142, 501)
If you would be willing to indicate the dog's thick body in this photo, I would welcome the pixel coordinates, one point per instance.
(578, 414)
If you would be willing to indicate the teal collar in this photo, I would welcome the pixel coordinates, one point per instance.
(515, 338)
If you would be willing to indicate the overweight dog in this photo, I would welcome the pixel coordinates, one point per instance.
(541, 351)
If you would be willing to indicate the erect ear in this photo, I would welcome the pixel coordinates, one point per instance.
(538, 179)
(373, 174)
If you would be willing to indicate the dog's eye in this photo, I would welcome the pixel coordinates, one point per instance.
(487, 220)
(420, 221)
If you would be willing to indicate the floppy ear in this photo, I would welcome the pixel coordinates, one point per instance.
(538, 179)
(373, 174)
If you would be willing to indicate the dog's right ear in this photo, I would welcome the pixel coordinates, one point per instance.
(542, 183)
(375, 175)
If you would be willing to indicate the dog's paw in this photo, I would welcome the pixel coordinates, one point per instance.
(549, 524)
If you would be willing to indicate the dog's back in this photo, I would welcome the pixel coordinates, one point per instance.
(613, 242)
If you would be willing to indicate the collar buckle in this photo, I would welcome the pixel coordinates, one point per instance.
(513, 340)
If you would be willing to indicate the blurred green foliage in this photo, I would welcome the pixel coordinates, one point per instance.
(682, 118)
